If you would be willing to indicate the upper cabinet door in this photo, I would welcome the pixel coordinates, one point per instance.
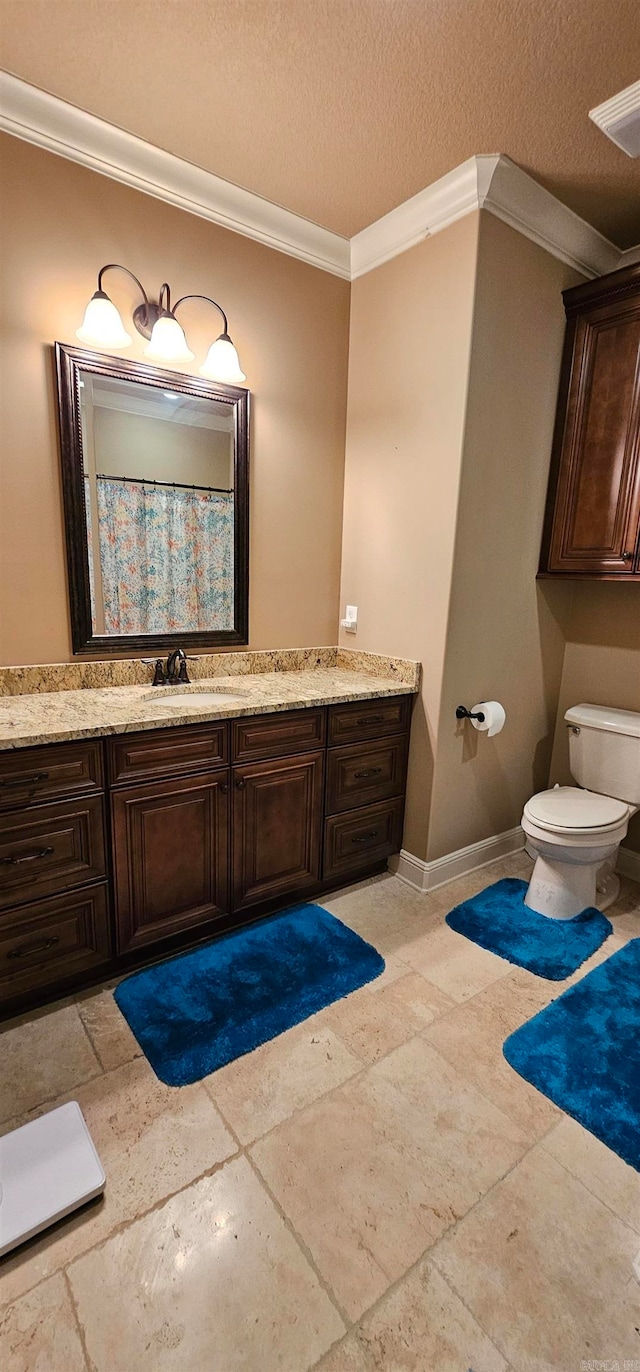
(593, 509)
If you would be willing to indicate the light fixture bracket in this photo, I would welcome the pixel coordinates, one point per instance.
(145, 316)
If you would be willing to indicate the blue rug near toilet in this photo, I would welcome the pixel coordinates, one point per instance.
(498, 919)
(196, 1012)
(583, 1052)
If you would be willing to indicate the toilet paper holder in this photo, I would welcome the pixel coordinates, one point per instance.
(463, 713)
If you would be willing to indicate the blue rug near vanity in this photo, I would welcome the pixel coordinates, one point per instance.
(200, 1010)
(583, 1052)
(498, 919)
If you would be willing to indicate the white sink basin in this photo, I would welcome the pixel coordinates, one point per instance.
(194, 700)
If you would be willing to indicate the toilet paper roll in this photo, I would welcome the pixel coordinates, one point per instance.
(494, 717)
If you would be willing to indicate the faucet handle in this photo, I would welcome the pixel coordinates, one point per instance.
(183, 674)
(158, 675)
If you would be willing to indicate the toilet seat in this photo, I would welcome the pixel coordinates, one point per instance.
(571, 810)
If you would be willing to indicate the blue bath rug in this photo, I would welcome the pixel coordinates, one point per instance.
(583, 1052)
(196, 1012)
(498, 919)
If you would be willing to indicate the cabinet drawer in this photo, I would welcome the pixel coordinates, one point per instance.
(50, 848)
(167, 752)
(363, 773)
(277, 735)
(368, 719)
(31, 776)
(361, 838)
(53, 939)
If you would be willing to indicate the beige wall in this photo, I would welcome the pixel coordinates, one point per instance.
(601, 665)
(505, 636)
(408, 365)
(137, 445)
(290, 324)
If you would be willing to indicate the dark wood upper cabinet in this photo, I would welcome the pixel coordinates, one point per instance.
(592, 523)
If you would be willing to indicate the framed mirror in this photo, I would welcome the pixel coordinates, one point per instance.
(155, 473)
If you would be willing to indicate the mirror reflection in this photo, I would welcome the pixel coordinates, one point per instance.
(159, 494)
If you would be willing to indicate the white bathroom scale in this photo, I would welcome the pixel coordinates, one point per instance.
(47, 1169)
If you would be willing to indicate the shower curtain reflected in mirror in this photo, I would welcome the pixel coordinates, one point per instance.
(166, 557)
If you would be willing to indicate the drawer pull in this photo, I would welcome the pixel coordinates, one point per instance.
(28, 857)
(371, 772)
(366, 838)
(371, 719)
(40, 946)
(24, 781)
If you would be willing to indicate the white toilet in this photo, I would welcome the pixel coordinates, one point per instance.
(574, 833)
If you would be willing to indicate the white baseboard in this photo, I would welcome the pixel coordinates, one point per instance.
(628, 864)
(426, 876)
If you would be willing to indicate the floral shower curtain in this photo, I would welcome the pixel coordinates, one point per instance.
(166, 557)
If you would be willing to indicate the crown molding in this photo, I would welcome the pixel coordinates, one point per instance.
(630, 257)
(488, 181)
(433, 209)
(518, 200)
(43, 119)
(494, 183)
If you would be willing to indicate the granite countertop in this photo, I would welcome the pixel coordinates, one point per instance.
(57, 715)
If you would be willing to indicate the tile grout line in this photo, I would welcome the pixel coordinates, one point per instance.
(299, 1109)
(580, 1180)
(91, 1043)
(427, 1256)
(26, 1116)
(118, 1229)
(89, 1363)
(452, 1287)
(301, 1245)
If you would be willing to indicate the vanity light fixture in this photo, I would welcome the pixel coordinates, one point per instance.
(102, 327)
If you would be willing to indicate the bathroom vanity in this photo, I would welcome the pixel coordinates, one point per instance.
(120, 849)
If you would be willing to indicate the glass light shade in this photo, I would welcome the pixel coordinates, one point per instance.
(167, 342)
(222, 362)
(102, 326)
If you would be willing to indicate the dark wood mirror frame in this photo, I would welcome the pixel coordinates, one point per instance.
(68, 362)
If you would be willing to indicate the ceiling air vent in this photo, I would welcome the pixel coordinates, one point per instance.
(619, 118)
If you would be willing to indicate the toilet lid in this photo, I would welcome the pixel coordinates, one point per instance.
(568, 807)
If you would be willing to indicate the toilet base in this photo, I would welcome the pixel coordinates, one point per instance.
(562, 890)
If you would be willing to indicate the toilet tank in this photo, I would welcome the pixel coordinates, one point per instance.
(604, 750)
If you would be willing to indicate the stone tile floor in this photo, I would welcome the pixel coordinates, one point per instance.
(375, 1189)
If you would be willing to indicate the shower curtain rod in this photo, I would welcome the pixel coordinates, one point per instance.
(175, 485)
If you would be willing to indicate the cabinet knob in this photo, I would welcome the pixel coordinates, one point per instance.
(240, 783)
(627, 557)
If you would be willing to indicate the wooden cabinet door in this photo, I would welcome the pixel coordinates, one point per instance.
(170, 857)
(277, 827)
(595, 488)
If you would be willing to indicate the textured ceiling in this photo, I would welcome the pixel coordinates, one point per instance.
(342, 109)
